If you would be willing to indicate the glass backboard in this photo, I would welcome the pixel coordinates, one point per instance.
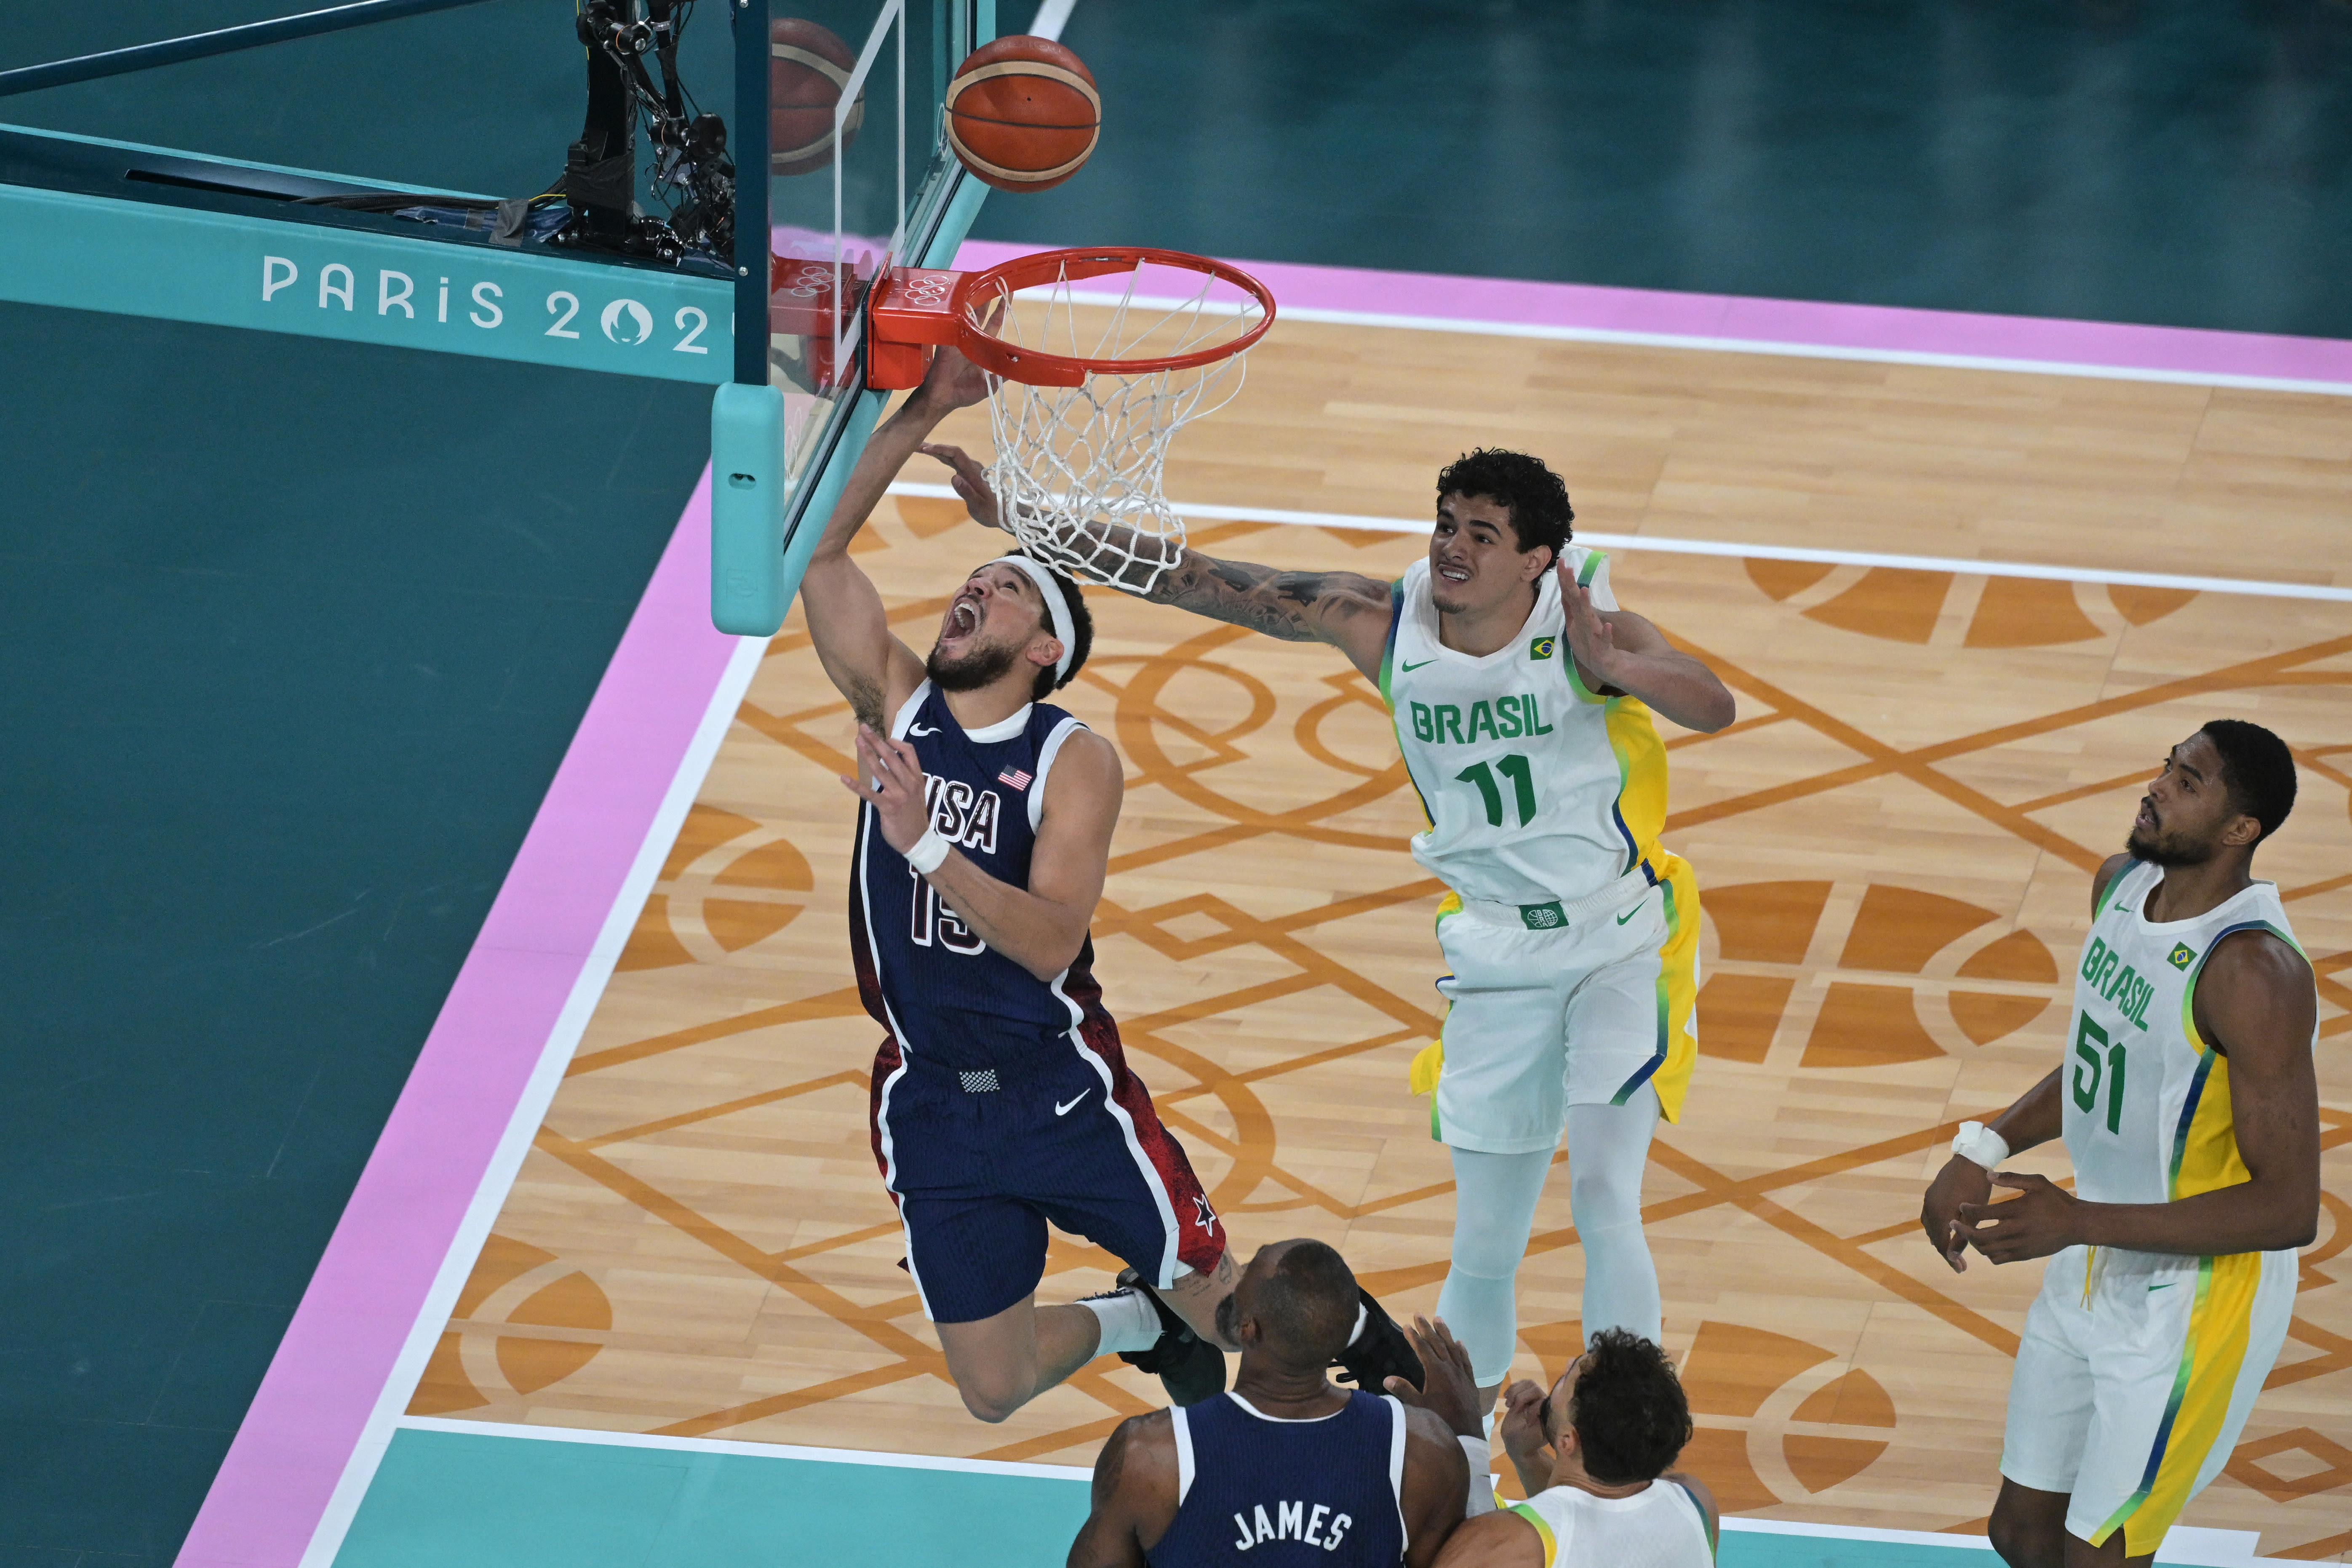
(859, 179)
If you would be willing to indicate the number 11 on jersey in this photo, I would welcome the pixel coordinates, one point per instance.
(1523, 788)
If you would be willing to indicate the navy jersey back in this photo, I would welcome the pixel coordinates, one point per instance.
(1263, 1492)
(950, 1001)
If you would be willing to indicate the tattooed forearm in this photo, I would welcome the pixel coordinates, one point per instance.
(1296, 606)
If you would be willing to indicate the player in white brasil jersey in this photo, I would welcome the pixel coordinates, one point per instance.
(2190, 1109)
(1522, 696)
(1592, 1456)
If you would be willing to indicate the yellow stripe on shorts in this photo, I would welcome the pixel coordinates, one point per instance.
(1677, 986)
(2220, 1326)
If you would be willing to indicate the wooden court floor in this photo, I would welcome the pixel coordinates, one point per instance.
(1893, 843)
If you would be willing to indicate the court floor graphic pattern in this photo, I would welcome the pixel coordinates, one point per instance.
(1893, 843)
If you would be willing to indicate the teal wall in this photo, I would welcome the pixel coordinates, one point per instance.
(2186, 162)
(293, 635)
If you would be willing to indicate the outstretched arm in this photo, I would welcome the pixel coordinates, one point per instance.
(1134, 1496)
(1617, 650)
(1345, 609)
(846, 617)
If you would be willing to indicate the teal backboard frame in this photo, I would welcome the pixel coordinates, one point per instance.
(74, 234)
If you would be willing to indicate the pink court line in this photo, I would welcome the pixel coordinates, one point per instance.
(1803, 326)
(364, 1302)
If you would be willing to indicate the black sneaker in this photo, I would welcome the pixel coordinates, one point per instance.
(1380, 1352)
(1188, 1366)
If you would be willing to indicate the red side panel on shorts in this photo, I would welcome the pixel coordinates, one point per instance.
(886, 1060)
(1200, 1235)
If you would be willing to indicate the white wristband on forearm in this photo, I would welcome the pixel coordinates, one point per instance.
(1977, 1141)
(1480, 1454)
(929, 853)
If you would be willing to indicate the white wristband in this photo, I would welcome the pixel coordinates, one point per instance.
(929, 853)
(1480, 1453)
(1977, 1141)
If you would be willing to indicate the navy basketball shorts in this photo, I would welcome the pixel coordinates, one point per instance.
(981, 1163)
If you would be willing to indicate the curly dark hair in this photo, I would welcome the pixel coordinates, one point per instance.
(2257, 770)
(1628, 1409)
(1536, 496)
(1082, 635)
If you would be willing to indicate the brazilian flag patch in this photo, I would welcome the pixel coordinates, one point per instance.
(2182, 956)
(1541, 647)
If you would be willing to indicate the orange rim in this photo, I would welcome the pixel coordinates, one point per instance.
(1038, 367)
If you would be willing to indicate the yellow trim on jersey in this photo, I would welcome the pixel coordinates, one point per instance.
(1640, 808)
(2220, 1326)
(2209, 1158)
(1640, 774)
(1543, 1530)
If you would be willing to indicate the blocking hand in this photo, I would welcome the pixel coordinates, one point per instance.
(969, 481)
(1451, 1392)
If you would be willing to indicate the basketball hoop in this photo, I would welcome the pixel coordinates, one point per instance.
(1083, 410)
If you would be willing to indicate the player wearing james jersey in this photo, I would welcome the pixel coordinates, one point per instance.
(1287, 1469)
(1002, 1097)
(2190, 1107)
(1522, 698)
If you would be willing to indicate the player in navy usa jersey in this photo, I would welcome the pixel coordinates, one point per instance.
(1289, 1470)
(1002, 1097)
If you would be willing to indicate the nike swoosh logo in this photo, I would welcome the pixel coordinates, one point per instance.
(1062, 1110)
(1411, 668)
(2164, 1286)
(922, 729)
(1629, 915)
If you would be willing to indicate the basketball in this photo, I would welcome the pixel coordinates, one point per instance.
(1022, 113)
(808, 65)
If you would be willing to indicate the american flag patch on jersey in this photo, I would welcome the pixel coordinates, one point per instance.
(1015, 776)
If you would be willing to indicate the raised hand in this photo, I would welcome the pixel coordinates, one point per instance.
(1451, 1392)
(969, 481)
(1591, 640)
(892, 783)
(952, 381)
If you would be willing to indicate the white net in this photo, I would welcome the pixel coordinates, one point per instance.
(1077, 470)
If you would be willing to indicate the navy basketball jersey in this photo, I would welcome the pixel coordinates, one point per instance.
(949, 1000)
(1262, 1490)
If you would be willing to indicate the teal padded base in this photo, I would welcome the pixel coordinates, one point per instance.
(453, 1500)
(446, 1500)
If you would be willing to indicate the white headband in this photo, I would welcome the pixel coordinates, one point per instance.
(1056, 608)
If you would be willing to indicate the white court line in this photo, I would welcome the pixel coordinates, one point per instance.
(1735, 345)
(490, 1196)
(745, 1450)
(1764, 552)
(2183, 1544)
